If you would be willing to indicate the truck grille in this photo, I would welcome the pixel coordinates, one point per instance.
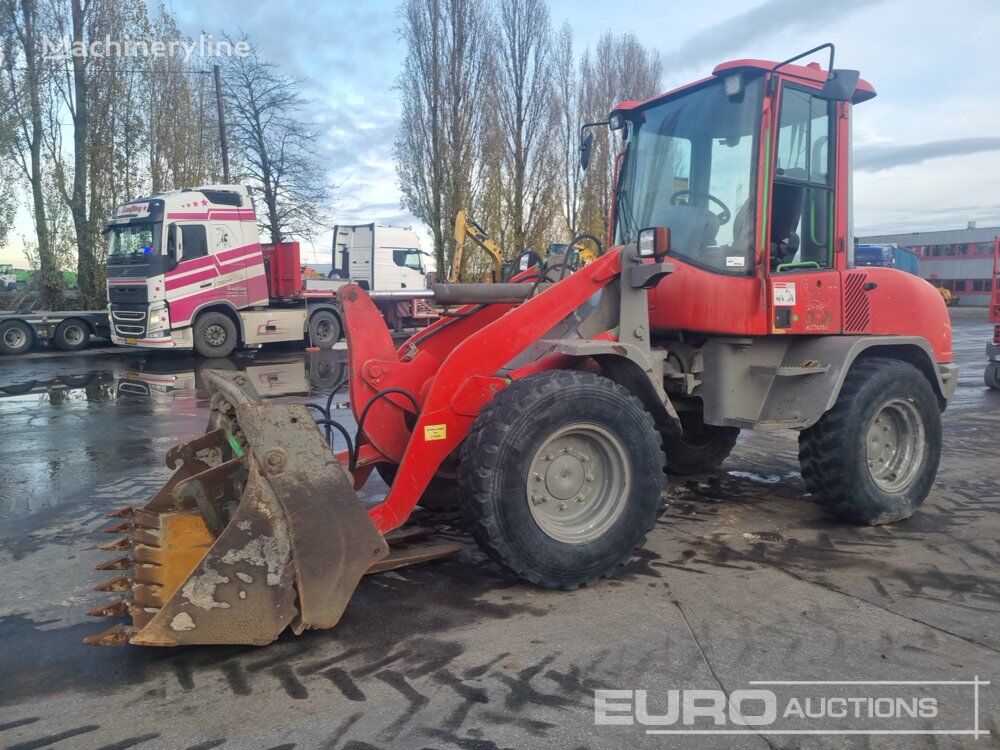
(129, 321)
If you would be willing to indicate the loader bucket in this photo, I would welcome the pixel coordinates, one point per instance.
(259, 528)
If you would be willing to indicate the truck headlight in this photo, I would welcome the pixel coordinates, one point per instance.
(158, 319)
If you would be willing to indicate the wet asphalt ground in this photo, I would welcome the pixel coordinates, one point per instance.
(744, 579)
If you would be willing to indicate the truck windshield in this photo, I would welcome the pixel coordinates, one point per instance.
(690, 166)
(132, 243)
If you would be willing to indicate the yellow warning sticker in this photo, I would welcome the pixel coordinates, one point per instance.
(435, 432)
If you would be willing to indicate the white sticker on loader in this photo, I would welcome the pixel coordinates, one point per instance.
(735, 261)
(784, 293)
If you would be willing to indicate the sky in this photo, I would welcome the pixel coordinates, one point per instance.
(927, 148)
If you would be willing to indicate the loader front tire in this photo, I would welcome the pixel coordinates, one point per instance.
(873, 457)
(561, 478)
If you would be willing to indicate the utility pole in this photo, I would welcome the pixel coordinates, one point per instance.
(222, 125)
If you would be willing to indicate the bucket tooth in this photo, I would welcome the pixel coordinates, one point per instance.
(119, 635)
(117, 608)
(121, 583)
(119, 528)
(126, 512)
(119, 563)
(118, 545)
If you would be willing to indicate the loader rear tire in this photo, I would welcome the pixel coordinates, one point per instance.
(214, 335)
(992, 375)
(701, 447)
(873, 457)
(561, 478)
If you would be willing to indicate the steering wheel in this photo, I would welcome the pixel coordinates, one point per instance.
(723, 217)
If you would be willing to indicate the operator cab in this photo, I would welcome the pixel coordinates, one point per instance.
(748, 168)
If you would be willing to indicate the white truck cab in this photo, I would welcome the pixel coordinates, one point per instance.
(379, 258)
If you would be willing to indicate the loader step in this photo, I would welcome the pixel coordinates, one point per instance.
(783, 371)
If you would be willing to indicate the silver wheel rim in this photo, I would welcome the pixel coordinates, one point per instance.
(14, 337)
(73, 335)
(578, 483)
(895, 445)
(215, 335)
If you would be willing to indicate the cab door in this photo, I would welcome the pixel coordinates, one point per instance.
(803, 278)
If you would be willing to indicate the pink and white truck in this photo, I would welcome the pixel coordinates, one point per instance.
(187, 270)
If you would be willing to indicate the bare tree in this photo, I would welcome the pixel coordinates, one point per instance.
(441, 91)
(22, 94)
(183, 148)
(73, 84)
(276, 146)
(527, 118)
(568, 132)
(620, 69)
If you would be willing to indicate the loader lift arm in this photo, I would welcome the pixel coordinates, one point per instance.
(467, 229)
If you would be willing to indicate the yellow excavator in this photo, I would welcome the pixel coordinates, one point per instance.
(467, 229)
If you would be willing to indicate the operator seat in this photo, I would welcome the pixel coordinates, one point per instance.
(787, 199)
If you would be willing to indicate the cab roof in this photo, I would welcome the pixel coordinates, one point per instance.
(811, 73)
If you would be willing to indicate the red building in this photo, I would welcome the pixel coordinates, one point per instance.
(960, 260)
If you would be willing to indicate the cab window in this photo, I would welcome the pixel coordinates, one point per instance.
(802, 197)
(194, 240)
(408, 258)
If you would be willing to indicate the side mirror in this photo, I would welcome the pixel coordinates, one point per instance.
(586, 145)
(840, 85)
(654, 242)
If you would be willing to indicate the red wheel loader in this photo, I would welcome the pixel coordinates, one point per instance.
(552, 409)
(992, 374)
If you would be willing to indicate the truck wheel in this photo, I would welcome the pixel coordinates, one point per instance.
(562, 477)
(873, 457)
(441, 492)
(324, 329)
(992, 375)
(214, 335)
(701, 447)
(15, 337)
(72, 335)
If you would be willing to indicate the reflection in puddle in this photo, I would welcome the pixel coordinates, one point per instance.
(166, 378)
(93, 386)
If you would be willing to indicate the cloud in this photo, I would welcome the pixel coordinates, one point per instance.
(878, 158)
(762, 23)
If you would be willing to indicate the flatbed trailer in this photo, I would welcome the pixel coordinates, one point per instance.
(69, 330)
